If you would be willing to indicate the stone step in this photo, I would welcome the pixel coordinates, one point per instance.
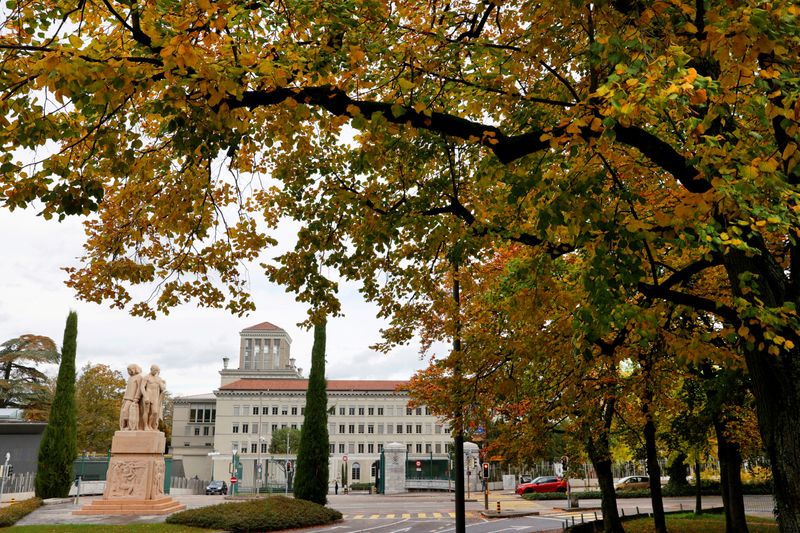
(160, 506)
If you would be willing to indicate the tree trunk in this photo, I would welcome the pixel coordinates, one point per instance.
(775, 378)
(608, 502)
(698, 489)
(654, 471)
(730, 464)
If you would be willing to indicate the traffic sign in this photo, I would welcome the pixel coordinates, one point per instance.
(419, 463)
(344, 458)
(233, 480)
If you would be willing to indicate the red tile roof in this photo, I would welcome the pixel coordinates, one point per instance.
(302, 384)
(264, 326)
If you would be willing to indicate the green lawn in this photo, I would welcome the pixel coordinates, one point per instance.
(98, 528)
(704, 523)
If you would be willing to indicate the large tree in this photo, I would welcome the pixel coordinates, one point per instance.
(98, 396)
(22, 384)
(59, 446)
(311, 482)
(659, 139)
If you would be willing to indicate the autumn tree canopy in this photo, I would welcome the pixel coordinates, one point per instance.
(656, 139)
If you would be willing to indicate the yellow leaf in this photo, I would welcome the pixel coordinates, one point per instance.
(75, 41)
(205, 5)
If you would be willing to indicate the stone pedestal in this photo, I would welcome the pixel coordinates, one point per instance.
(395, 469)
(135, 478)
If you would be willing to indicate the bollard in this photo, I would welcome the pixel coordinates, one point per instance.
(498, 507)
(637, 509)
(12, 502)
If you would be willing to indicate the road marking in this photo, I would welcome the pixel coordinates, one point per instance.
(374, 516)
(358, 517)
(437, 515)
(382, 526)
(390, 516)
(406, 515)
(422, 515)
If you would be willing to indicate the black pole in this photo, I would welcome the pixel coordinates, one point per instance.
(458, 438)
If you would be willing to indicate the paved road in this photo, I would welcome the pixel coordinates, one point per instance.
(419, 513)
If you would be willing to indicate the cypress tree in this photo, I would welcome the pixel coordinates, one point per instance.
(59, 445)
(311, 481)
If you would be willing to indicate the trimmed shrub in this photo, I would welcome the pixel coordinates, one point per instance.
(265, 514)
(708, 488)
(13, 513)
(361, 486)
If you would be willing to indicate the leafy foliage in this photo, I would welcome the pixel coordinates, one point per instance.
(279, 438)
(311, 481)
(22, 384)
(58, 448)
(98, 396)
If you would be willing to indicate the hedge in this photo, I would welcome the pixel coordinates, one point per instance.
(13, 513)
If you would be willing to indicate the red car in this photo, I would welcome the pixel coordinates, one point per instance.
(543, 484)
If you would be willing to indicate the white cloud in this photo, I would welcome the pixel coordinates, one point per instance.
(189, 343)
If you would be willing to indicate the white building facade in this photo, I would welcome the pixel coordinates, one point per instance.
(266, 393)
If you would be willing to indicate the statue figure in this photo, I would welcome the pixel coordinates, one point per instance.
(129, 414)
(152, 398)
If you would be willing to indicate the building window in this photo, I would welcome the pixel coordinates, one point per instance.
(294, 426)
(370, 411)
(302, 411)
(254, 448)
(274, 428)
(341, 411)
(360, 411)
(428, 428)
(341, 447)
(294, 410)
(409, 428)
(380, 411)
(370, 448)
(427, 410)
(419, 448)
(419, 410)
(331, 428)
(419, 428)
(408, 448)
(235, 428)
(351, 428)
(284, 410)
(341, 428)
(274, 409)
(389, 428)
(333, 449)
(373, 471)
(205, 430)
(361, 448)
(255, 410)
(196, 431)
(245, 428)
(245, 410)
(356, 471)
(437, 429)
(428, 448)
(399, 428)
(264, 447)
(409, 411)
(265, 410)
(236, 411)
(192, 415)
(361, 428)
(370, 428)
(255, 428)
(380, 447)
(283, 426)
(352, 411)
(438, 447)
(351, 448)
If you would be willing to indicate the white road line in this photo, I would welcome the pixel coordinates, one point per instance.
(382, 526)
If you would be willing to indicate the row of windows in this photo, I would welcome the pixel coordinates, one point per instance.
(380, 411)
(202, 414)
(242, 410)
(248, 428)
(388, 428)
(206, 430)
(419, 447)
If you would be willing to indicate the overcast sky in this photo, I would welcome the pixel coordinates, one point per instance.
(190, 343)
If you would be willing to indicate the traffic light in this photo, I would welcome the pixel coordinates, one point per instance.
(10, 470)
(288, 466)
(485, 470)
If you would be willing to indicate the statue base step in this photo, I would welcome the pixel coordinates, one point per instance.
(160, 506)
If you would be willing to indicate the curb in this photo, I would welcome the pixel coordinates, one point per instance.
(508, 514)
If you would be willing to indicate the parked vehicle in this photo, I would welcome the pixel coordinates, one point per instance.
(543, 484)
(217, 487)
(633, 482)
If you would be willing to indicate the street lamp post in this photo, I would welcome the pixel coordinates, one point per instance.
(235, 470)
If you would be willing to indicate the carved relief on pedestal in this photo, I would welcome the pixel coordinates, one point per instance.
(127, 479)
(158, 480)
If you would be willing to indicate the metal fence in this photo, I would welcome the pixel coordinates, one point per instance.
(19, 483)
(192, 485)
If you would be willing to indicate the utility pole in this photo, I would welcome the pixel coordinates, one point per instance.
(458, 438)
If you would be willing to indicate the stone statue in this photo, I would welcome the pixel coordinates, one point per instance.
(129, 414)
(152, 398)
